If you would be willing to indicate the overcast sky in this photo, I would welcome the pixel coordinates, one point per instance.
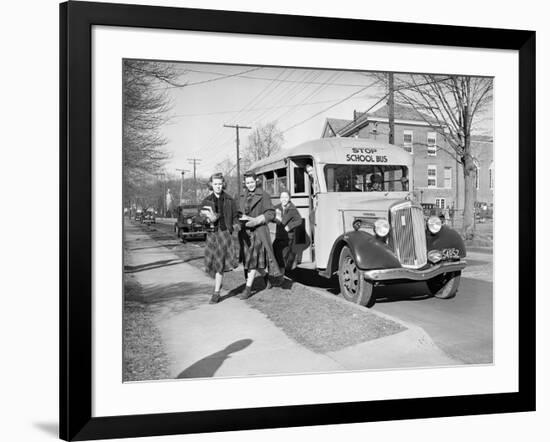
(297, 100)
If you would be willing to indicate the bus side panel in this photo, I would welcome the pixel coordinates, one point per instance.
(329, 226)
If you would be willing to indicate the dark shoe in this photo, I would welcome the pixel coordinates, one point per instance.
(278, 281)
(246, 294)
(215, 298)
(267, 281)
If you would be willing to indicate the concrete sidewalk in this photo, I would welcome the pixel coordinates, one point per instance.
(232, 339)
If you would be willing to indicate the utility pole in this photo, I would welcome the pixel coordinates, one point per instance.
(181, 184)
(237, 127)
(163, 199)
(391, 110)
(194, 161)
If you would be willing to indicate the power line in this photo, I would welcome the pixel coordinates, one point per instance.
(330, 107)
(275, 79)
(311, 103)
(287, 91)
(222, 77)
(210, 143)
(312, 94)
(304, 75)
(276, 87)
(291, 92)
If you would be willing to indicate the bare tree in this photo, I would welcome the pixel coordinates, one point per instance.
(228, 168)
(262, 142)
(451, 105)
(145, 110)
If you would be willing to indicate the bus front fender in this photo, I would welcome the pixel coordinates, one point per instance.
(446, 238)
(368, 251)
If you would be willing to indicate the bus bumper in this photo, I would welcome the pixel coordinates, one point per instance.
(415, 275)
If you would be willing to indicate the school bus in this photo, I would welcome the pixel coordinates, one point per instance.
(360, 219)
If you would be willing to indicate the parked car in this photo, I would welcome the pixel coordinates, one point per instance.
(483, 211)
(190, 223)
(138, 216)
(149, 216)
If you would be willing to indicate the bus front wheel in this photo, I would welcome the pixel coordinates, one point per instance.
(353, 286)
(444, 286)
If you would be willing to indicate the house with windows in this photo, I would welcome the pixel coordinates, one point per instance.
(438, 177)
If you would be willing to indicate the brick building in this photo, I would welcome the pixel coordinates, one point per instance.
(436, 173)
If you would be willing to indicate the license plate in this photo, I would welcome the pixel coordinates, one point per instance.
(450, 254)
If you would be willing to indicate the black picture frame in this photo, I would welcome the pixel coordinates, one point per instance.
(76, 21)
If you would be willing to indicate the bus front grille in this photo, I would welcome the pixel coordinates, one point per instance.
(409, 235)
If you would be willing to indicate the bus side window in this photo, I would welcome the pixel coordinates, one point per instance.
(269, 183)
(282, 185)
(299, 180)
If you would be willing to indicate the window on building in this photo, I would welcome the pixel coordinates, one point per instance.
(408, 140)
(491, 177)
(432, 175)
(432, 144)
(440, 203)
(448, 178)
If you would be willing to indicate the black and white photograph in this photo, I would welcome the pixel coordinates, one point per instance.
(261, 221)
(283, 220)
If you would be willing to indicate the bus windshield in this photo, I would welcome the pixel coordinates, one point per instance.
(366, 178)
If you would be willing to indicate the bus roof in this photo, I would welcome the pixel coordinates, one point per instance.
(341, 150)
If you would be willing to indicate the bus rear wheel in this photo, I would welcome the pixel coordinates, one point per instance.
(353, 286)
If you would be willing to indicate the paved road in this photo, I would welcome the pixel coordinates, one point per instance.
(462, 327)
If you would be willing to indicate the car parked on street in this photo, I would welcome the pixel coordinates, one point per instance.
(190, 223)
(149, 217)
(138, 216)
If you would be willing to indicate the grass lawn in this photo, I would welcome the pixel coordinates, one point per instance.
(318, 322)
(144, 355)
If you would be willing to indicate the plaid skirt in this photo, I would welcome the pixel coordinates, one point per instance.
(253, 253)
(221, 252)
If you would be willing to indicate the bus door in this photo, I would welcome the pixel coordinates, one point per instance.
(301, 197)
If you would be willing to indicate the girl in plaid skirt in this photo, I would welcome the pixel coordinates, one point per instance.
(255, 240)
(221, 249)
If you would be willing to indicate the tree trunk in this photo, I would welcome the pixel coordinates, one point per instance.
(469, 196)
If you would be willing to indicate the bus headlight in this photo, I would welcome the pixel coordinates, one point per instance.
(381, 227)
(434, 224)
(189, 221)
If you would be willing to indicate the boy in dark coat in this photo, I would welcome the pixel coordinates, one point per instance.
(287, 219)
